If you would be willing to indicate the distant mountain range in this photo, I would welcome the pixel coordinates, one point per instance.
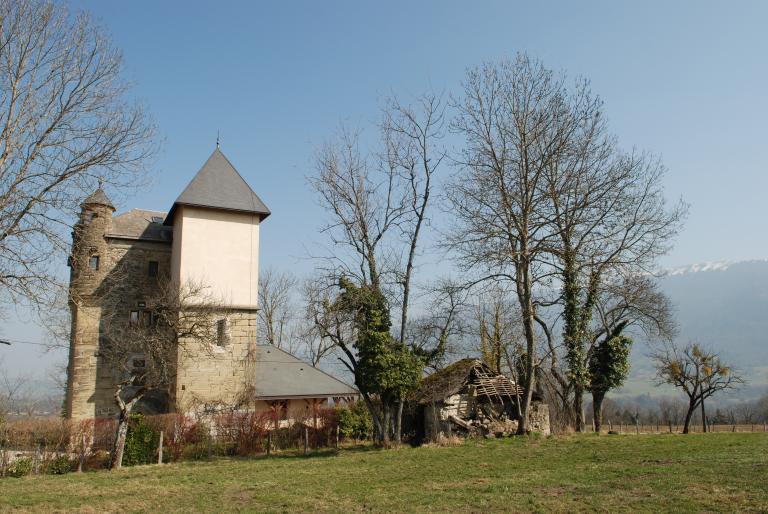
(722, 305)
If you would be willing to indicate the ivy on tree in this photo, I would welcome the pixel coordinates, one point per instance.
(608, 368)
(385, 366)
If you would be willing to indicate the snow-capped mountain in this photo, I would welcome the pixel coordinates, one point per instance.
(709, 266)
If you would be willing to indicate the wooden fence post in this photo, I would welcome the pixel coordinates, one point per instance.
(36, 461)
(337, 437)
(306, 440)
(160, 449)
(269, 443)
(210, 446)
(81, 461)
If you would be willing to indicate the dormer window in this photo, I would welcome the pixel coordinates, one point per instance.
(157, 219)
(93, 262)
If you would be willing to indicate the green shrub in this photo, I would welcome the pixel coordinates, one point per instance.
(59, 465)
(141, 442)
(99, 459)
(195, 451)
(20, 467)
(355, 422)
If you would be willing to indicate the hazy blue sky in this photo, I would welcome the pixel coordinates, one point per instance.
(686, 80)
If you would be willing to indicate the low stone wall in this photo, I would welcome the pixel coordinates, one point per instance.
(538, 418)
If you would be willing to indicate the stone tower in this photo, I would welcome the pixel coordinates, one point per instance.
(210, 237)
(88, 266)
(216, 223)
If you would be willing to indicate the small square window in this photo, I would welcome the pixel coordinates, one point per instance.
(153, 268)
(93, 262)
(89, 217)
(133, 318)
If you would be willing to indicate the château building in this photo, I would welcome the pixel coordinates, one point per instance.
(209, 235)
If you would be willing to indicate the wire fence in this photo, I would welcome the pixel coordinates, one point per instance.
(55, 446)
(660, 428)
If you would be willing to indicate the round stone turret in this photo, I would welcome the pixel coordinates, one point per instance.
(89, 247)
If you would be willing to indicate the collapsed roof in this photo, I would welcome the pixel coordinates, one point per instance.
(455, 378)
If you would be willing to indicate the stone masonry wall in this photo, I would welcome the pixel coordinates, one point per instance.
(211, 376)
(91, 383)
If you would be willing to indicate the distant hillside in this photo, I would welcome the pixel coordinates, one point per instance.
(723, 306)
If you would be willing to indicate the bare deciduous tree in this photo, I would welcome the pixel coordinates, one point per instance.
(698, 372)
(65, 121)
(318, 322)
(13, 390)
(277, 311)
(143, 353)
(510, 119)
(378, 203)
(547, 200)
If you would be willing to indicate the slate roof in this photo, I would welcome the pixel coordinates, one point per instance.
(218, 185)
(280, 375)
(139, 224)
(98, 197)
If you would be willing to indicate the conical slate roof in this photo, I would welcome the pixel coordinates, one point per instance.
(218, 185)
(98, 197)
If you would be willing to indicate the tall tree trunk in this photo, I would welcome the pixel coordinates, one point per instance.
(378, 430)
(688, 416)
(119, 447)
(524, 294)
(578, 407)
(703, 417)
(386, 410)
(399, 422)
(122, 424)
(597, 409)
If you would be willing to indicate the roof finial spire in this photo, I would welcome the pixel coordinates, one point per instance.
(217, 138)
(101, 182)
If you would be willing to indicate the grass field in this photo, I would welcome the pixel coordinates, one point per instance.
(646, 473)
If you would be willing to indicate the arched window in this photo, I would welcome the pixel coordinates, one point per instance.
(93, 262)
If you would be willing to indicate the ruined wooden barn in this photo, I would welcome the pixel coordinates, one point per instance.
(468, 398)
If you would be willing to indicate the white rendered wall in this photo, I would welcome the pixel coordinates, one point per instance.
(219, 249)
